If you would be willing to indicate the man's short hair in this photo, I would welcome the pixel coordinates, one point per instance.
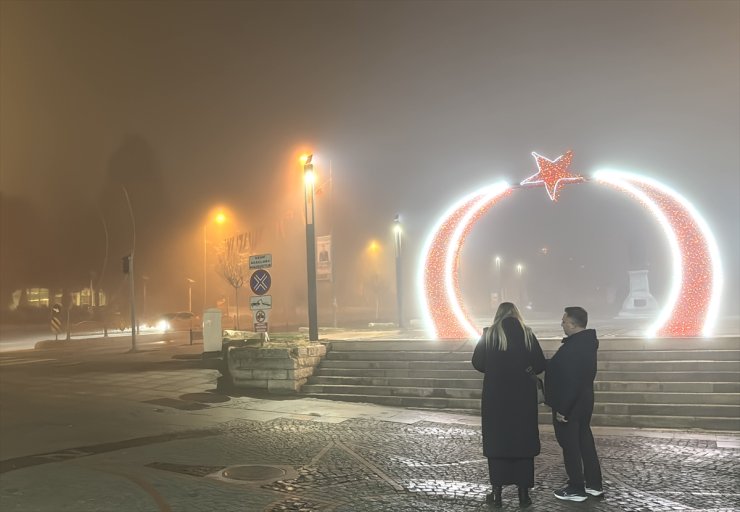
(578, 315)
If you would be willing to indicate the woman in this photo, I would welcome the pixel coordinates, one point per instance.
(511, 438)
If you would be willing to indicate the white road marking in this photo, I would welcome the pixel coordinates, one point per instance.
(15, 361)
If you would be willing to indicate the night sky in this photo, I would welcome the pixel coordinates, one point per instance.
(192, 105)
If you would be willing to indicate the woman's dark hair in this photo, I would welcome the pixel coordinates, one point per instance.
(578, 315)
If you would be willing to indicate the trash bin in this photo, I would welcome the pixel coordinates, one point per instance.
(212, 333)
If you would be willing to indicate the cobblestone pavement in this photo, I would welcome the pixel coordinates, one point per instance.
(360, 465)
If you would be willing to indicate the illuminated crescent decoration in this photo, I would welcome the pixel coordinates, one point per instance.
(692, 304)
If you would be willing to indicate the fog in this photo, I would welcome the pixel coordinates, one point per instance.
(196, 106)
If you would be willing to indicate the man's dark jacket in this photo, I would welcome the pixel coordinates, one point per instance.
(569, 379)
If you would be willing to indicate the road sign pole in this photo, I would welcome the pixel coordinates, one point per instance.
(313, 324)
(132, 299)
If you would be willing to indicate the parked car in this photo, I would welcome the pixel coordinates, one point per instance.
(180, 321)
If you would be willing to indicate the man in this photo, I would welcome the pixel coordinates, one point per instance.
(569, 391)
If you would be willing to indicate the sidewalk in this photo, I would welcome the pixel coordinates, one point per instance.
(147, 432)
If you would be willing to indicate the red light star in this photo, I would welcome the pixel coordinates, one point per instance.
(553, 174)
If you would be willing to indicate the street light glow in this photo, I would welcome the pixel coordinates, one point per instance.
(220, 218)
(309, 177)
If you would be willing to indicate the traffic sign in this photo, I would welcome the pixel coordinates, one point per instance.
(260, 261)
(260, 302)
(260, 282)
(56, 318)
(260, 320)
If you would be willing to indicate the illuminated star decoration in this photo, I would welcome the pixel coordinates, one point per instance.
(553, 174)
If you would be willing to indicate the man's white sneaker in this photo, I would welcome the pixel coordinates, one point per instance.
(570, 494)
(594, 492)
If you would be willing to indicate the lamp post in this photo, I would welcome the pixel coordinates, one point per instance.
(145, 279)
(129, 269)
(309, 179)
(519, 271)
(499, 284)
(219, 219)
(397, 235)
(190, 294)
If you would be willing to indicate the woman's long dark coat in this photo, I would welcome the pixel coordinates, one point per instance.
(509, 401)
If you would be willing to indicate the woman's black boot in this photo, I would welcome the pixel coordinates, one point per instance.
(524, 499)
(495, 497)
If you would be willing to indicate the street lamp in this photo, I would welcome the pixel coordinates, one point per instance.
(145, 279)
(220, 218)
(309, 179)
(519, 270)
(190, 294)
(397, 234)
(499, 283)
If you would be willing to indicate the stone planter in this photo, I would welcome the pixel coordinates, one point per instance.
(274, 368)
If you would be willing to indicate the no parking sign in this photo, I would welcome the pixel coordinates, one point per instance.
(260, 282)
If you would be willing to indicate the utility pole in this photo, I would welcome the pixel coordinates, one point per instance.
(397, 234)
(128, 268)
(309, 178)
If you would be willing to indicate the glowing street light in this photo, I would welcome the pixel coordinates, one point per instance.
(309, 179)
(219, 218)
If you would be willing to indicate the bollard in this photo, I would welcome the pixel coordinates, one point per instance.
(191, 335)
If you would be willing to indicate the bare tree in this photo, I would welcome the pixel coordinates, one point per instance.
(231, 267)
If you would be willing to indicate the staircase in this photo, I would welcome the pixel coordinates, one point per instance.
(666, 383)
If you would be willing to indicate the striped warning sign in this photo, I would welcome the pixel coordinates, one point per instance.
(56, 325)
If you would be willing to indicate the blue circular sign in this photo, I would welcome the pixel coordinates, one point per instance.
(260, 282)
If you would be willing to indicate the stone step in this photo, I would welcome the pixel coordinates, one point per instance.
(372, 355)
(622, 366)
(670, 366)
(666, 383)
(604, 355)
(670, 355)
(669, 376)
(730, 399)
(545, 416)
(326, 380)
(552, 344)
(686, 376)
(669, 387)
(671, 422)
(398, 365)
(694, 410)
(471, 404)
(429, 374)
(442, 392)
(476, 383)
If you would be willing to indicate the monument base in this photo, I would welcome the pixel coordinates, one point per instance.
(639, 302)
